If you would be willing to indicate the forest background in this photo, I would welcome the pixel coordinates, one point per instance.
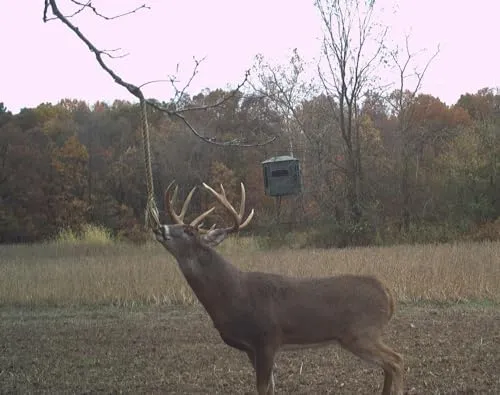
(381, 164)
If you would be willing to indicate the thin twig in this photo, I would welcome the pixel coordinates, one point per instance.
(88, 5)
(179, 93)
(108, 18)
(152, 82)
(219, 102)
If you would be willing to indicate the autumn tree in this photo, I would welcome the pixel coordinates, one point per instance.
(405, 158)
(403, 103)
(484, 109)
(43, 166)
(352, 47)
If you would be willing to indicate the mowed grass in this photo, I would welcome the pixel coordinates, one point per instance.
(66, 274)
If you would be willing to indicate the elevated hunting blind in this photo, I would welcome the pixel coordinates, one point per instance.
(281, 176)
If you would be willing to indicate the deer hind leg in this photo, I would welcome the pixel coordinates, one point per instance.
(393, 369)
(376, 352)
(263, 362)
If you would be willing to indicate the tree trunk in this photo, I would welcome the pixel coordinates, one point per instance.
(353, 193)
(405, 193)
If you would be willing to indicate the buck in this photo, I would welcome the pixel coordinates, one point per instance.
(262, 313)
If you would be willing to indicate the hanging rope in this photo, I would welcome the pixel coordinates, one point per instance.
(152, 216)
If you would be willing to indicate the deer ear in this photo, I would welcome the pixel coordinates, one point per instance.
(214, 237)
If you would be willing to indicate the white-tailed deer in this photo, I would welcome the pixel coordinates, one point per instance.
(263, 313)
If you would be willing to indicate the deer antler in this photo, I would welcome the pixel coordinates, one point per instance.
(238, 217)
(179, 218)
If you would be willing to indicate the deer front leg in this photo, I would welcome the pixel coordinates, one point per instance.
(252, 361)
(263, 365)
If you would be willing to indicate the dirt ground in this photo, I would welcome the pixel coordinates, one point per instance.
(448, 350)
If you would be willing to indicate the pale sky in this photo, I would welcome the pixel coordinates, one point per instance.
(47, 62)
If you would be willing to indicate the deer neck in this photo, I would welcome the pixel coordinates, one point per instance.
(213, 279)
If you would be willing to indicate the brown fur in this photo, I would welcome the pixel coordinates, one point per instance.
(263, 313)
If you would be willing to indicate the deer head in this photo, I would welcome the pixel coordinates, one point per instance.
(185, 239)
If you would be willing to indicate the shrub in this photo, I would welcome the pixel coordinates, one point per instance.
(88, 234)
(334, 234)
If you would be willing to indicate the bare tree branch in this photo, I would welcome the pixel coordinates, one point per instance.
(132, 88)
(108, 53)
(179, 93)
(285, 88)
(402, 105)
(89, 5)
(219, 102)
(152, 82)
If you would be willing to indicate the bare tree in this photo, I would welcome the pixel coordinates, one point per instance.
(175, 107)
(285, 87)
(402, 102)
(353, 47)
(262, 313)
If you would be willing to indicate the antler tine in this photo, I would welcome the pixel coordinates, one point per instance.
(186, 204)
(196, 223)
(169, 201)
(223, 191)
(242, 208)
(249, 218)
(179, 218)
(222, 198)
(242, 201)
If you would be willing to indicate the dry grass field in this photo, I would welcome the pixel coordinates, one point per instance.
(120, 274)
(86, 318)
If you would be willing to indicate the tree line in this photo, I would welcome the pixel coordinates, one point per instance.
(379, 165)
(424, 167)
